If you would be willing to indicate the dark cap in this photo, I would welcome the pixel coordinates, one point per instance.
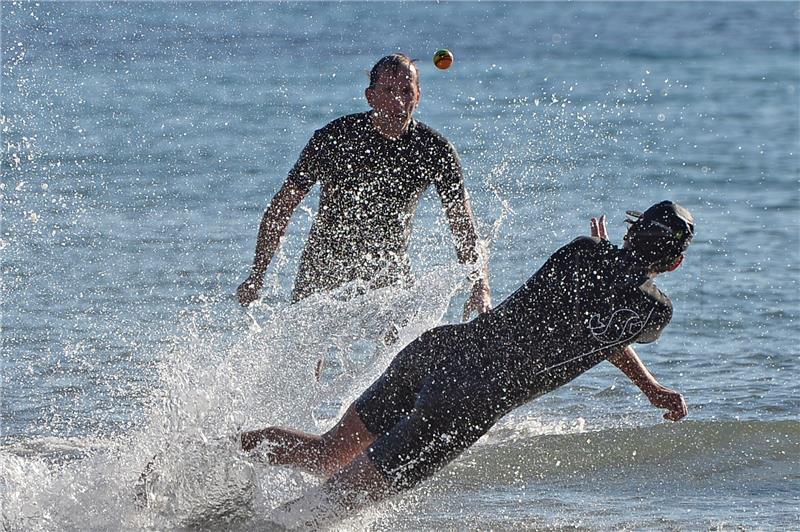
(662, 232)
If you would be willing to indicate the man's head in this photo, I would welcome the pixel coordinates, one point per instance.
(660, 235)
(393, 92)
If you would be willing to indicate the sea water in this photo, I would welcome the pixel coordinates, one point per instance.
(142, 141)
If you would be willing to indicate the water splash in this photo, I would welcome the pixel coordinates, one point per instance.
(219, 375)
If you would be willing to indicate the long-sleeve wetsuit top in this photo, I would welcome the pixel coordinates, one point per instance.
(587, 301)
(449, 386)
(370, 189)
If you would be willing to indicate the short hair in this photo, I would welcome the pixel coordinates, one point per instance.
(393, 63)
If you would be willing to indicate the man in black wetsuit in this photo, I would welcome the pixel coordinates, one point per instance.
(588, 303)
(372, 169)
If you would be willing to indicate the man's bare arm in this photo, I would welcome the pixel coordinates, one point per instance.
(273, 227)
(660, 396)
(462, 224)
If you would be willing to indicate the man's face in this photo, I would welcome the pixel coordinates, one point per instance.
(395, 95)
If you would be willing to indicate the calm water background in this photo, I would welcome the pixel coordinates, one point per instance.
(141, 142)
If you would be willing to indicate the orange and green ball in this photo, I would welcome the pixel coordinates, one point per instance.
(443, 59)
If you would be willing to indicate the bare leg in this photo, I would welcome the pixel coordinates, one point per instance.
(354, 487)
(360, 477)
(323, 455)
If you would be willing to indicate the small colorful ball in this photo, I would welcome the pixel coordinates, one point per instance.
(443, 59)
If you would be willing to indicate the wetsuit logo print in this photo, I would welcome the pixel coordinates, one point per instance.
(621, 324)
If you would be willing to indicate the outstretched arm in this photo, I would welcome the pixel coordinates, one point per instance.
(273, 227)
(660, 396)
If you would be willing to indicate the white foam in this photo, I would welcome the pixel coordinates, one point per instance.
(221, 374)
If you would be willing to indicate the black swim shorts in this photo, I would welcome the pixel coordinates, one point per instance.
(390, 398)
(426, 408)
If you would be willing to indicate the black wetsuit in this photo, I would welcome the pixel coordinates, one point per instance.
(370, 188)
(447, 388)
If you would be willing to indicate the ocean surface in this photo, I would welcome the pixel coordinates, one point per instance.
(142, 141)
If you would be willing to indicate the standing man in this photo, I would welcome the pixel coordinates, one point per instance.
(372, 168)
(588, 303)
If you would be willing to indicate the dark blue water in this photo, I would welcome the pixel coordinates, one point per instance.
(141, 142)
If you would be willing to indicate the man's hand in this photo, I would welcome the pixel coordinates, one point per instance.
(248, 290)
(660, 396)
(479, 301)
(598, 227)
(663, 397)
